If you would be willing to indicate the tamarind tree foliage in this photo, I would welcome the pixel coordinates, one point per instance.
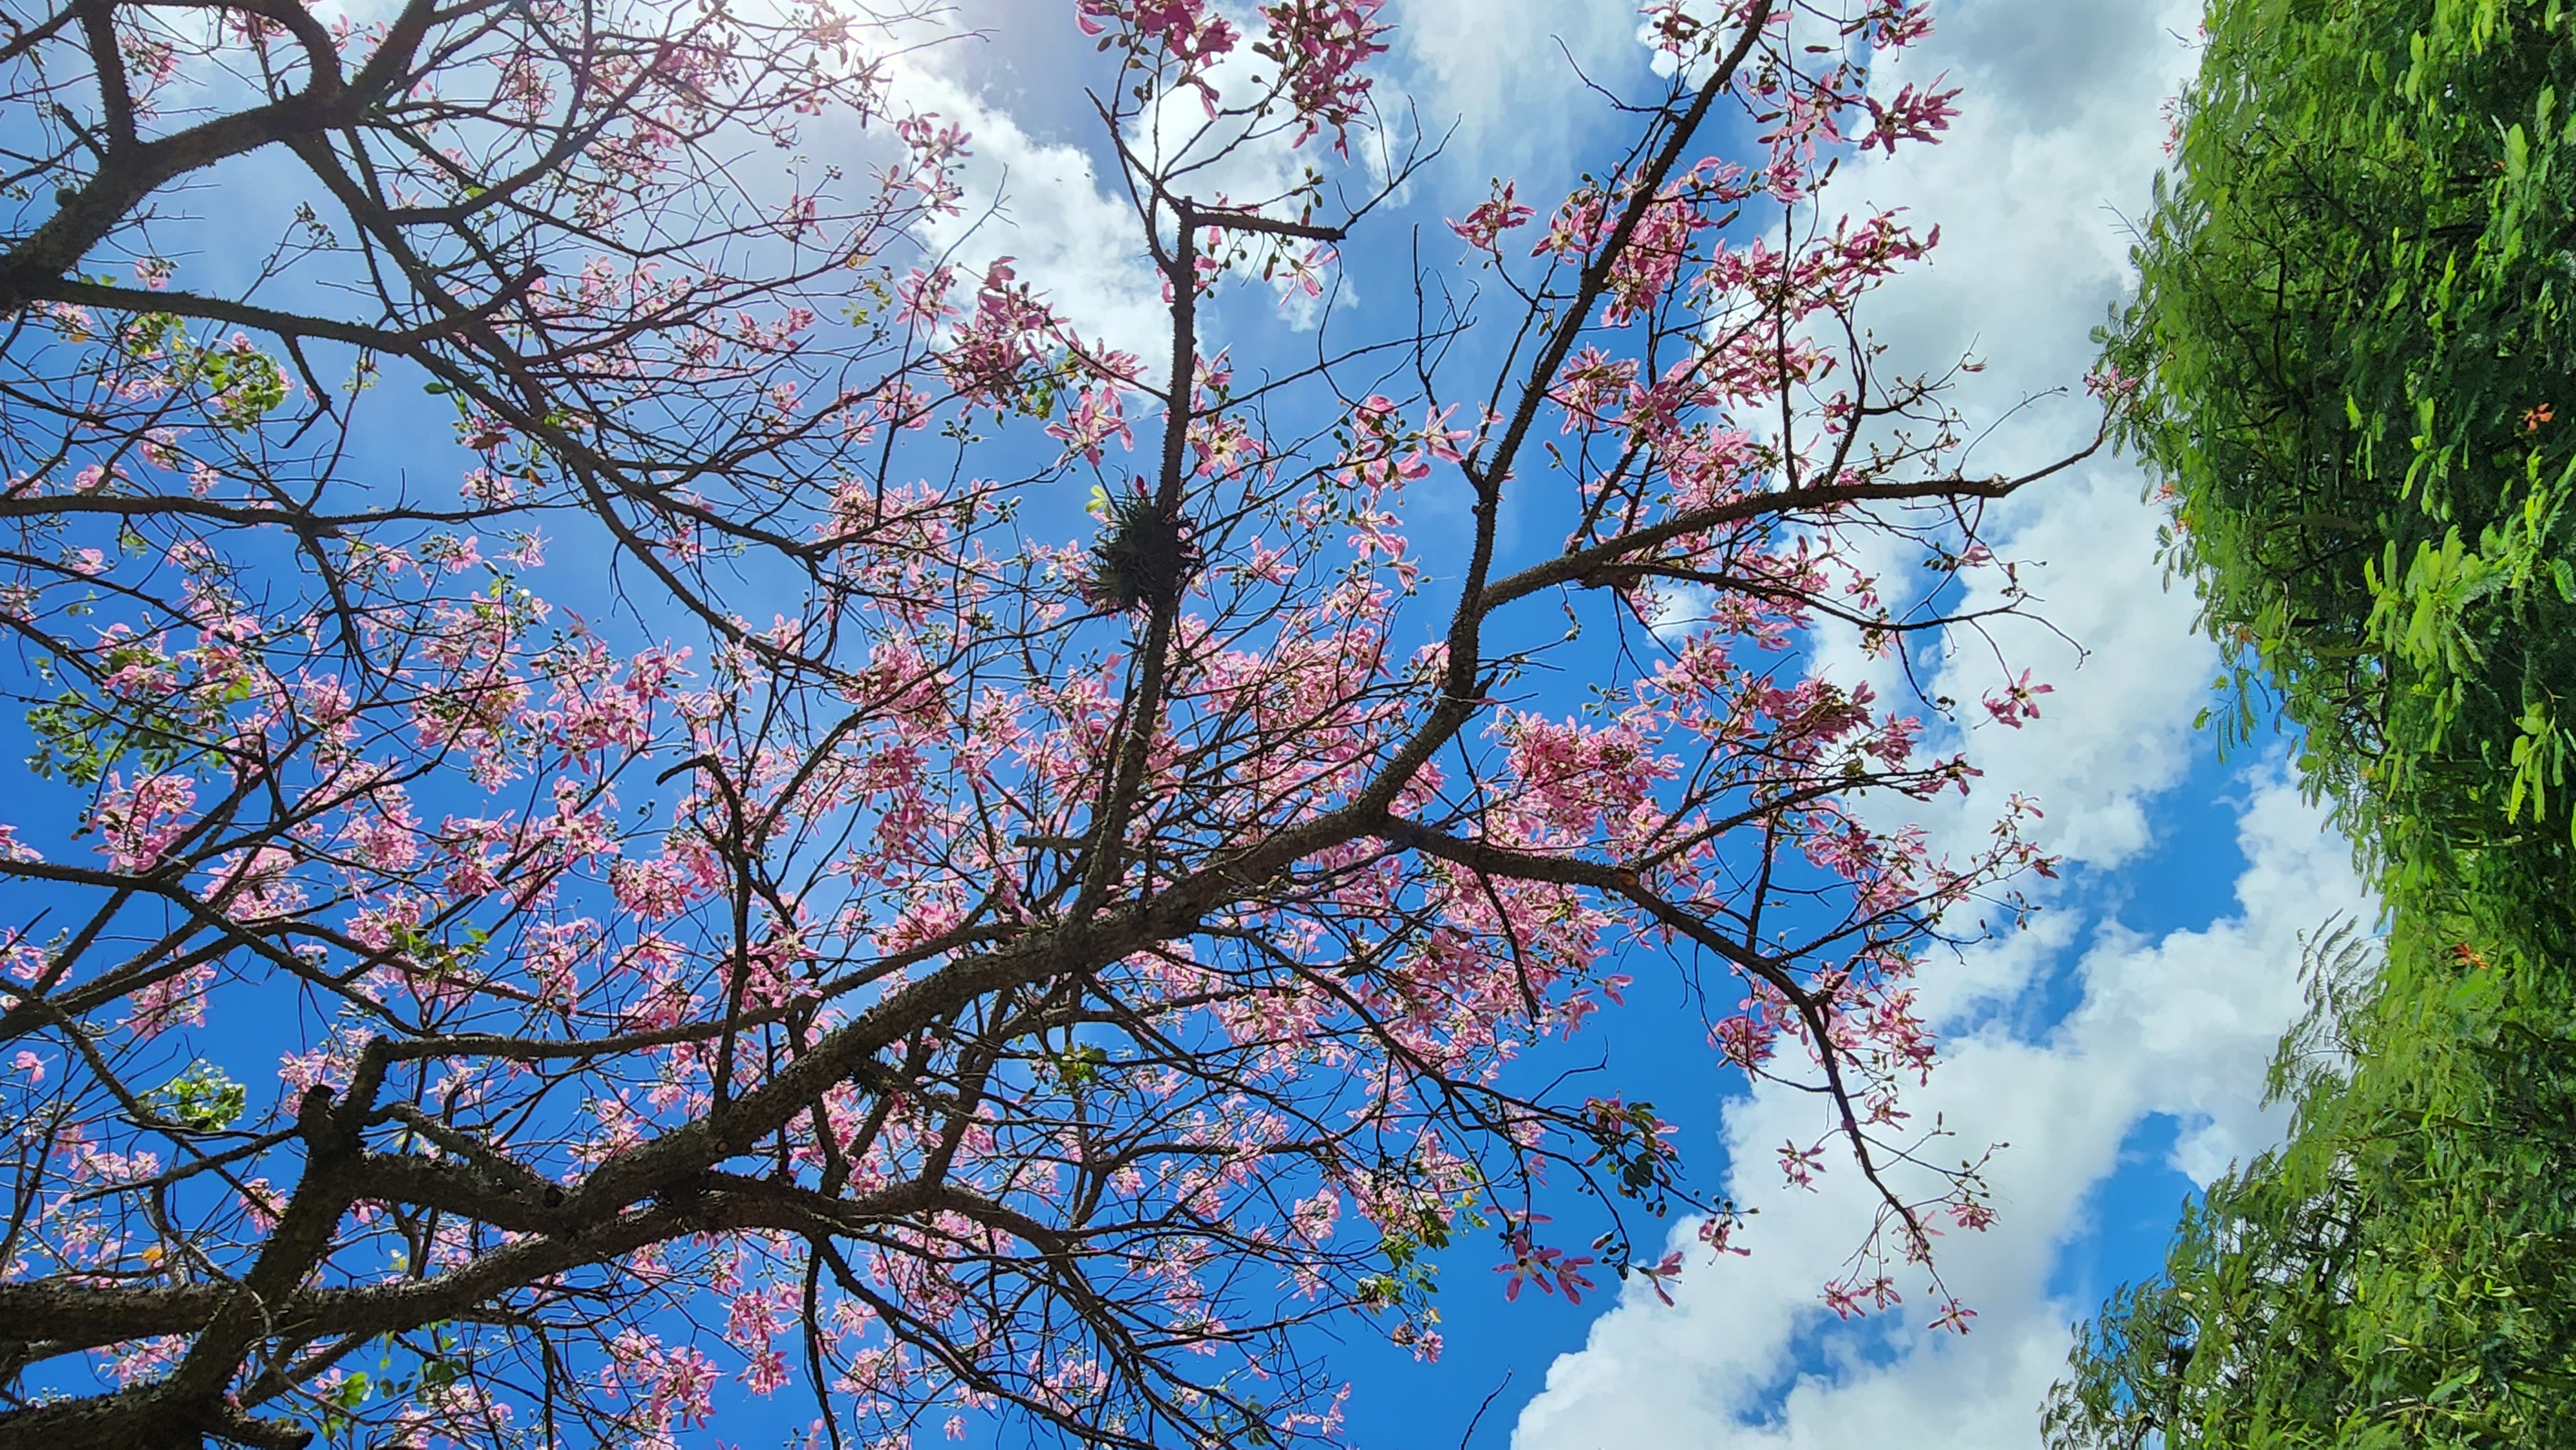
(2350, 359)
(849, 927)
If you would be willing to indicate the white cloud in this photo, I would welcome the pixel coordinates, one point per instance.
(2179, 1026)
(1041, 204)
(1073, 234)
(1503, 73)
(2028, 190)
(2060, 134)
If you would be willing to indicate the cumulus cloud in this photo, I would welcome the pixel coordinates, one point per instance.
(2032, 189)
(1072, 232)
(2179, 1026)
(1042, 204)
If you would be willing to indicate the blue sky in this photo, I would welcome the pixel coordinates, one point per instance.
(2119, 1044)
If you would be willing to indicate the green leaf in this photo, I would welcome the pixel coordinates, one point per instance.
(202, 1097)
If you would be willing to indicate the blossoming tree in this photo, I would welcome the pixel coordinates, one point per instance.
(870, 933)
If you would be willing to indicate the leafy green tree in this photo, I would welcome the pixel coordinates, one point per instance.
(2401, 1271)
(2347, 366)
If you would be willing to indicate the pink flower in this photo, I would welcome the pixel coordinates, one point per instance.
(1913, 116)
(144, 1359)
(174, 1001)
(1550, 1269)
(1096, 418)
(676, 1385)
(262, 1202)
(1302, 274)
(1320, 48)
(1492, 217)
(1659, 1274)
(767, 1372)
(2018, 702)
(138, 824)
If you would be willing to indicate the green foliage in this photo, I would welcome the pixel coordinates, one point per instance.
(2400, 1271)
(80, 738)
(1630, 1138)
(2353, 359)
(202, 1098)
(241, 384)
(2354, 353)
(408, 1363)
(1080, 1066)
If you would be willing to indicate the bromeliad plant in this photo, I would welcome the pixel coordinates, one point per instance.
(1046, 964)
